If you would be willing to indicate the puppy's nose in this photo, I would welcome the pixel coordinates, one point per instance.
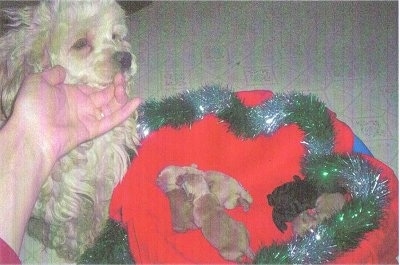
(124, 59)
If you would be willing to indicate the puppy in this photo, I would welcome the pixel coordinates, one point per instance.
(181, 205)
(303, 223)
(228, 236)
(228, 191)
(326, 206)
(87, 38)
(168, 177)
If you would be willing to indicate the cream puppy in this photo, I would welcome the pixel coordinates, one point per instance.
(228, 236)
(181, 204)
(168, 177)
(87, 38)
(228, 191)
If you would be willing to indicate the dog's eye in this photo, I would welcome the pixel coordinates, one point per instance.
(80, 44)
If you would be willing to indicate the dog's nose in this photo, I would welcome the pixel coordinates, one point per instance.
(124, 59)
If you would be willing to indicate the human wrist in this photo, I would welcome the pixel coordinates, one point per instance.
(23, 141)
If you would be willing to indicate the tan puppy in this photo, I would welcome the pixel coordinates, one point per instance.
(228, 191)
(303, 223)
(181, 205)
(325, 207)
(328, 204)
(224, 233)
(167, 179)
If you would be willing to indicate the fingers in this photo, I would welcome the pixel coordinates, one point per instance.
(115, 118)
(120, 95)
(102, 97)
(113, 91)
(55, 75)
(120, 92)
(119, 80)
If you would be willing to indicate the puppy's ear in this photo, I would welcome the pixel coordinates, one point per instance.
(210, 183)
(180, 180)
(244, 203)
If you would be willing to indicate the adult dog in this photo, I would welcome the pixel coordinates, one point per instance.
(87, 38)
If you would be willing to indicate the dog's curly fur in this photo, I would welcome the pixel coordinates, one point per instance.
(86, 38)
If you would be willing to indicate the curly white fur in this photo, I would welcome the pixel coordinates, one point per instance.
(83, 37)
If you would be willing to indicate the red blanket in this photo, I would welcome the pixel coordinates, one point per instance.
(260, 165)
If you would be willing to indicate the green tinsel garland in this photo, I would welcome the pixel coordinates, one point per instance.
(323, 168)
(111, 247)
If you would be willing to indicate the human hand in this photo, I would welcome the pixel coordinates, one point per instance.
(59, 117)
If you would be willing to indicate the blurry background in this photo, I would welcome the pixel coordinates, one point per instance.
(344, 52)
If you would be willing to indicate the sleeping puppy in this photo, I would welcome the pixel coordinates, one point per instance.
(228, 236)
(228, 191)
(181, 205)
(167, 179)
(326, 206)
(303, 223)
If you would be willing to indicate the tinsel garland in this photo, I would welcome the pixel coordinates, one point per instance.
(247, 122)
(111, 247)
(344, 230)
(320, 165)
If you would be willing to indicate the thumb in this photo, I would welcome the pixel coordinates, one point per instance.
(55, 75)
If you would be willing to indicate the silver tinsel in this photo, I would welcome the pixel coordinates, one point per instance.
(269, 116)
(369, 197)
(363, 180)
(317, 247)
(209, 100)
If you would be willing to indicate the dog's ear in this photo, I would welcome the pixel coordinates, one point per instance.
(180, 180)
(22, 50)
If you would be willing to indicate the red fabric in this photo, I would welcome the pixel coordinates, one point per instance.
(7, 254)
(259, 164)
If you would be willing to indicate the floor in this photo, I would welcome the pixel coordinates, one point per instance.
(344, 52)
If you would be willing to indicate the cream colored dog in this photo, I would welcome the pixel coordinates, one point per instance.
(88, 39)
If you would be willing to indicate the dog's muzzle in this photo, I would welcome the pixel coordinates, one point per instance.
(124, 60)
